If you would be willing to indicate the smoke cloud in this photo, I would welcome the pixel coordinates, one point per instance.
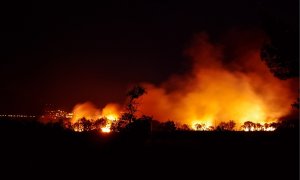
(228, 81)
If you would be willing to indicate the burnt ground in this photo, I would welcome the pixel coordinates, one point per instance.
(32, 150)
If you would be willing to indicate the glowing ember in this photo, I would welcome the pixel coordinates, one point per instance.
(270, 129)
(106, 129)
(77, 129)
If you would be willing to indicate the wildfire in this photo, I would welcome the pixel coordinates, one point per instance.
(250, 126)
(202, 126)
(219, 88)
(111, 112)
(112, 117)
(85, 110)
(264, 129)
(86, 115)
(106, 129)
(76, 129)
(227, 88)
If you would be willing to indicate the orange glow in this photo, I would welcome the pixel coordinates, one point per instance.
(106, 129)
(111, 112)
(87, 110)
(202, 125)
(258, 127)
(262, 129)
(77, 129)
(219, 89)
(270, 129)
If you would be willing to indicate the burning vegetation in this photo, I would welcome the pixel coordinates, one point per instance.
(228, 88)
(87, 117)
(227, 82)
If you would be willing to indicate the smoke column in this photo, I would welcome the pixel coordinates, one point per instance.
(227, 82)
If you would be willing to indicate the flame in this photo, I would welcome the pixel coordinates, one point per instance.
(227, 82)
(258, 127)
(202, 125)
(106, 129)
(270, 129)
(87, 110)
(111, 111)
(77, 129)
(220, 88)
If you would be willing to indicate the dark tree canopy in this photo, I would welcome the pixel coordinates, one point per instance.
(226, 126)
(281, 51)
(131, 107)
(136, 92)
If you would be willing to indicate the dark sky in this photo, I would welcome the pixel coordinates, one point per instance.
(65, 53)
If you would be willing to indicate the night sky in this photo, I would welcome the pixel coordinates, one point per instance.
(66, 53)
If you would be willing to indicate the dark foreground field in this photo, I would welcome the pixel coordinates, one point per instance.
(30, 150)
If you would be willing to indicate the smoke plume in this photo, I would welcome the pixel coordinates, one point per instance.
(228, 81)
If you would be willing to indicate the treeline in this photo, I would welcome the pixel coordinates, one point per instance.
(147, 123)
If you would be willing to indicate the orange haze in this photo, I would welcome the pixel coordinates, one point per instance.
(89, 111)
(226, 82)
(220, 88)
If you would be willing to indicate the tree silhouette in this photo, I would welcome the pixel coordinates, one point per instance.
(226, 126)
(259, 127)
(274, 125)
(86, 124)
(131, 107)
(99, 123)
(118, 126)
(199, 127)
(249, 126)
(82, 125)
(141, 127)
(185, 127)
(280, 52)
(149, 120)
(168, 126)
